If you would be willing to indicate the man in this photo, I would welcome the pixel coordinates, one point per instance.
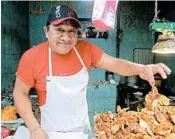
(59, 71)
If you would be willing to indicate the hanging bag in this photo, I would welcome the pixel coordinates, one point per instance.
(104, 14)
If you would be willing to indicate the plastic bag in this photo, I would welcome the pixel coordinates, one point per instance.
(104, 14)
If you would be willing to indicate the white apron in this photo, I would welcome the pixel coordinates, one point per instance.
(65, 114)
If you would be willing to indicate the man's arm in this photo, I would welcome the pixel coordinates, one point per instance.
(23, 104)
(127, 68)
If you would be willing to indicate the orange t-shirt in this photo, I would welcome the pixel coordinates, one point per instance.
(33, 67)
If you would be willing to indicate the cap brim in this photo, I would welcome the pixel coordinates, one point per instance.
(59, 21)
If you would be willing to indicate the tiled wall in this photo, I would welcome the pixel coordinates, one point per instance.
(14, 38)
(102, 98)
(135, 17)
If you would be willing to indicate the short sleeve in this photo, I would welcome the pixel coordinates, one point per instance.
(96, 54)
(25, 70)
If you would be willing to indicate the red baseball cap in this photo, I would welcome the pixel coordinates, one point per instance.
(61, 13)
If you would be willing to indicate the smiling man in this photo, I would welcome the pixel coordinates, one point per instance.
(59, 71)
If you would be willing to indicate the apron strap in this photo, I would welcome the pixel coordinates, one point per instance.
(79, 58)
(50, 62)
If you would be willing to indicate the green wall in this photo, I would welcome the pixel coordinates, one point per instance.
(14, 38)
(134, 21)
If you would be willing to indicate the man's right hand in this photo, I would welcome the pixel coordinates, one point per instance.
(39, 134)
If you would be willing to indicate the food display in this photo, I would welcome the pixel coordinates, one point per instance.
(9, 113)
(155, 121)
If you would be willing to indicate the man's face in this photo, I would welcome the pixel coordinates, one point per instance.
(62, 38)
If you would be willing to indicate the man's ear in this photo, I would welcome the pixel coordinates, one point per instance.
(46, 31)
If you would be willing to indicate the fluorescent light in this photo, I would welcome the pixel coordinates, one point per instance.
(165, 43)
(166, 46)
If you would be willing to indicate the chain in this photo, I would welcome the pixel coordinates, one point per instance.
(156, 12)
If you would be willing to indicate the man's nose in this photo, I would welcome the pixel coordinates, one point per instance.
(66, 36)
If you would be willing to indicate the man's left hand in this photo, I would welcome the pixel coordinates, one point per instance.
(147, 72)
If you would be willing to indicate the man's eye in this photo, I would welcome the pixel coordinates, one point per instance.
(72, 31)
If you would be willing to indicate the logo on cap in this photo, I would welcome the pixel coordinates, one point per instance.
(71, 13)
(57, 12)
